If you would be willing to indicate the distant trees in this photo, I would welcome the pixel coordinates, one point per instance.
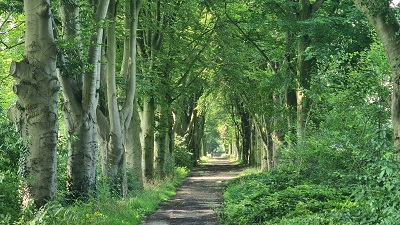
(272, 96)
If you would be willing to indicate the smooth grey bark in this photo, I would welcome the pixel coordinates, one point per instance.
(35, 112)
(147, 136)
(164, 130)
(133, 149)
(134, 155)
(111, 133)
(383, 19)
(149, 44)
(198, 134)
(264, 129)
(79, 88)
(161, 140)
(170, 156)
(277, 135)
(114, 123)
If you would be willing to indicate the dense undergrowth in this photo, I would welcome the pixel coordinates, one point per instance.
(289, 196)
(104, 209)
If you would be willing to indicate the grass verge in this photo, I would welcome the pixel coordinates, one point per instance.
(117, 211)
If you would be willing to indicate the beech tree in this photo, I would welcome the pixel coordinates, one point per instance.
(79, 82)
(35, 112)
(114, 122)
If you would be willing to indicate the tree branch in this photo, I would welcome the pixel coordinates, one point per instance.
(317, 5)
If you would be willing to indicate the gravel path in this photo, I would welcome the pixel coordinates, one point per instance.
(196, 198)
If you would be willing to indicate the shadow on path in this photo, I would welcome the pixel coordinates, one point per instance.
(195, 199)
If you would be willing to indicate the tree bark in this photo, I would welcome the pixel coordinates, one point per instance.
(134, 155)
(134, 173)
(80, 99)
(162, 139)
(35, 112)
(147, 136)
(304, 67)
(115, 124)
(148, 46)
(114, 138)
(303, 72)
(383, 19)
(245, 134)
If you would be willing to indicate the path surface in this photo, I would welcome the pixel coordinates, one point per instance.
(196, 198)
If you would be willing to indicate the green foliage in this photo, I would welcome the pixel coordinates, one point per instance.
(10, 146)
(272, 198)
(107, 210)
(10, 200)
(11, 48)
(183, 156)
(324, 158)
(379, 188)
(62, 157)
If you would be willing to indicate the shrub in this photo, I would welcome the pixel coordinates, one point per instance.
(10, 200)
(274, 197)
(183, 157)
(10, 146)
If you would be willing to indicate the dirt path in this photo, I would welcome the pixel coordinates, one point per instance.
(195, 199)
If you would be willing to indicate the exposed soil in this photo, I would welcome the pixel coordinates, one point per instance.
(197, 197)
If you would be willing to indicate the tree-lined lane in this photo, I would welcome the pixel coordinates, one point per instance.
(197, 198)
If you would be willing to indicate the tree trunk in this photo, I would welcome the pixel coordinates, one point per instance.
(194, 135)
(290, 88)
(113, 138)
(35, 112)
(160, 139)
(258, 146)
(133, 173)
(303, 73)
(116, 123)
(383, 18)
(304, 67)
(170, 162)
(277, 135)
(134, 155)
(245, 134)
(80, 100)
(147, 136)
(239, 151)
(265, 130)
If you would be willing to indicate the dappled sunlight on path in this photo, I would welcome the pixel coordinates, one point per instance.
(197, 197)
